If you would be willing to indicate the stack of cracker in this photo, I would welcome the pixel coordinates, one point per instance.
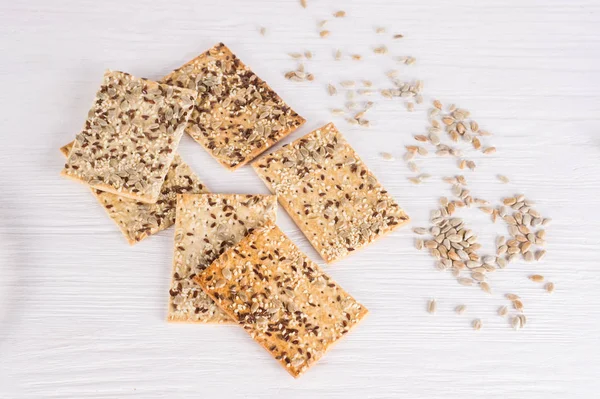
(231, 263)
(126, 152)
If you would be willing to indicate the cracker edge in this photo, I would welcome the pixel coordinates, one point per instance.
(131, 241)
(300, 224)
(364, 312)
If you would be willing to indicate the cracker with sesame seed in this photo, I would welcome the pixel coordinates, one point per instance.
(130, 136)
(138, 220)
(329, 193)
(206, 226)
(237, 115)
(281, 298)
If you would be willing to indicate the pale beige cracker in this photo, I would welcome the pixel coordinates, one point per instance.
(206, 226)
(130, 136)
(329, 192)
(281, 298)
(237, 115)
(138, 220)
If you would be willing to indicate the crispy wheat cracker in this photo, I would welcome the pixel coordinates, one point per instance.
(130, 136)
(206, 226)
(138, 220)
(329, 193)
(281, 298)
(237, 115)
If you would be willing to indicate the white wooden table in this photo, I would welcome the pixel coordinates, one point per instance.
(82, 314)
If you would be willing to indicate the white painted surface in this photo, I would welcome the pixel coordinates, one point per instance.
(82, 313)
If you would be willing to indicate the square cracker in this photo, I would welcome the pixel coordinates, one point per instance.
(138, 220)
(206, 226)
(329, 193)
(237, 115)
(281, 298)
(130, 136)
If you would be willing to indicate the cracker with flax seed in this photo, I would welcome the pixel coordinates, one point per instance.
(237, 115)
(130, 136)
(138, 220)
(281, 298)
(329, 193)
(206, 226)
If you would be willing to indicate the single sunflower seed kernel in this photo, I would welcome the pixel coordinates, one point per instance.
(432, 306)
(536, 278)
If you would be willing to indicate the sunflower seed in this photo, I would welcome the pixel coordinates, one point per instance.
(477, 324)
(539, 255)
(324, 33)
(485, 287)
(339, 14)
(465, 281)
(516, 322)
(419, 244)
(331, 89)
(518, 305)
(549, 287)
(432, 306)
(502, 311)
(387, 156)
(536, 278)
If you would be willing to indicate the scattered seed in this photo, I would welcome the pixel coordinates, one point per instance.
(539, 255)
(263, 30)
(485, 287)
(356, 57)
(502, 311)
(420, 230)
(536, 278)
(331, 89)
(489, 150)
(380, 30)
(460, 309)
(303, 3)
(387, 156)
(339, 14)
(432, 306)
(324, 33)
(419, 244)
(465, 281)
(512, 297)
(516, 323)
(503, 179)
(477, 324)
(549, 287)
(380, 50)
(518, 305)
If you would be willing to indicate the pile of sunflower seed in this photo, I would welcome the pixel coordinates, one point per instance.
(455, 246)
(458, 126)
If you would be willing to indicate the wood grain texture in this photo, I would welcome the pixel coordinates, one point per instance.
(82, 314)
